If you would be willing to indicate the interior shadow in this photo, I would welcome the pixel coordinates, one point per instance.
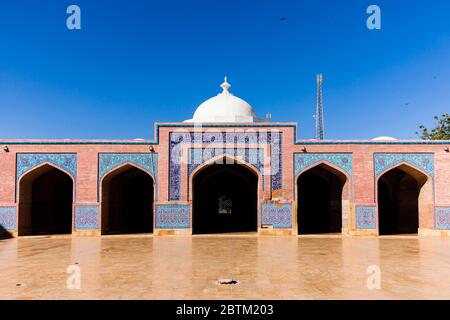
(320, 200)
(45, 202)
(127, 202)
(398, 202)
(225, 199)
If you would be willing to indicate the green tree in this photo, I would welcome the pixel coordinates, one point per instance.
(440, 132)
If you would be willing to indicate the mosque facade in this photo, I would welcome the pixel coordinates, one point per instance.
(225, 171)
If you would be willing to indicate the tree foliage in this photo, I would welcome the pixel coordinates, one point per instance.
(440, 132)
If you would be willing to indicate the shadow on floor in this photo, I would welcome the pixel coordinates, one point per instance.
(4, 234)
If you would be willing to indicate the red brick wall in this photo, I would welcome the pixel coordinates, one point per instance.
(363, 177)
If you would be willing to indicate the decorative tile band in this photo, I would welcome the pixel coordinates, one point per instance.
(109, 161)
(279, 216)
(305, 160)
(366, 217)
(172, 216)
(423, 161)
(442, 218)
(252, 156)
(178, 139)
(86, 218)
(27, 161)
(8, 218)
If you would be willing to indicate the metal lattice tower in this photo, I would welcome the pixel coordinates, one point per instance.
(320, 129)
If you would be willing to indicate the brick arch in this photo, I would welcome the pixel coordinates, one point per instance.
(406, 164)
(35, 170)
(224, 156)
(422, 162)
(117, 169)
(333, 169)
(111, 174)
(238, 161)
(24, 193)
(108, 162)
(341, 161)
(347, 194)
(426, 193)
(66, 162)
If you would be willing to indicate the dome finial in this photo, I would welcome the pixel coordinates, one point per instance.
(225, 85)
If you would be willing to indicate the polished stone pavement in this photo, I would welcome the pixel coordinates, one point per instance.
(146, 267)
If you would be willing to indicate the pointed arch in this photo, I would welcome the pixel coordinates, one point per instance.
(45, 200)
(124, 166)
(333, 168)
(225, 192)
(405, 199)
(127, 200)
(36, 169)
(222, 159)
(323, 194)
(407, 166)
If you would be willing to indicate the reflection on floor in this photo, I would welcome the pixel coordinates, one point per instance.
(146, 267)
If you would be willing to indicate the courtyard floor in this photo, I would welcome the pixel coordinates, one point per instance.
(146, 267)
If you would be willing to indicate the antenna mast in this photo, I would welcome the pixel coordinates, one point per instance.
(320, 129)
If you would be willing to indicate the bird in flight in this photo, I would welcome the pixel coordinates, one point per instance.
(282, 19)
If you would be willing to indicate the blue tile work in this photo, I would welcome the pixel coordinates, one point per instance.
(8, 218)
(252, 156)
(366, 217)
(27, 161)
(178, 139)
(442, 218)
(276, 161)
(306, 160)
(423, 161)
(172, 216)
(279, 216)
(109, 161)
(86, 218)
(145, 161)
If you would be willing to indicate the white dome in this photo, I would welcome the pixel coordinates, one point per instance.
(384, 138)
(225, 107)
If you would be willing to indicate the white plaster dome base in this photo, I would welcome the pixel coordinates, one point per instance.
(384, 138)
(225, 107)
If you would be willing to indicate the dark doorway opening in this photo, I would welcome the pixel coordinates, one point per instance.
(398, 202)
(45, 205)
(127, 202)
(320, 201)
(225, 199)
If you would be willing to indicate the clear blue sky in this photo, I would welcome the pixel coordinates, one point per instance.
(137, 62)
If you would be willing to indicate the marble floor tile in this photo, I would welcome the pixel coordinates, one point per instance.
(146, 267)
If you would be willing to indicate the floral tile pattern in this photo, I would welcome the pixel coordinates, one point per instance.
(423, 161)
(8, 220)
(442, 218)
(86, 218)
(109, 161)
(178, 139)
(366, 217)
(172, 216)
(252, 156)
(279, 216)
(27, 161)
(305, 160)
